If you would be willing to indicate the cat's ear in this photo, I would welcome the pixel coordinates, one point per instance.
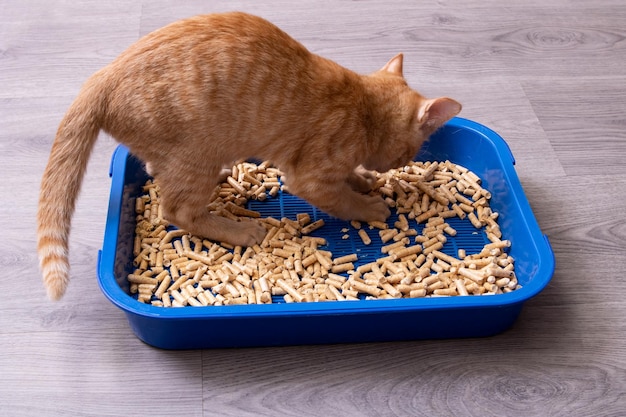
(394, 66)
(437, 111)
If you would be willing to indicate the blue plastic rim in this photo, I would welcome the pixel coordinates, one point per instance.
(461, 141)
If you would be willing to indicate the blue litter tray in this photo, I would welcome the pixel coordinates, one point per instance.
(461, 141)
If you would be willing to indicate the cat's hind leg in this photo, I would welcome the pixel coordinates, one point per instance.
(185, 199)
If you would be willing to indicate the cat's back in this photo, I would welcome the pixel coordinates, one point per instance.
(223, 56)
(234, 38)
(217, 69)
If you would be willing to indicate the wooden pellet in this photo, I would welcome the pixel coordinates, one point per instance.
(449, 259)
(369, 289)
(417, 293)
(445, 291)
(426, 215)
(473, 275)
(475, 222)
(387, 235)
(344, 267)
(436, 246)
(295, 295)
(460, 287)
(140, 279)
(312, 227)
(364, 237)
(379, 225)
(391, 247)
(353, 257)
(402, 253)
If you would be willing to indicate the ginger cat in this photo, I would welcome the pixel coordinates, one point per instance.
(200, 93)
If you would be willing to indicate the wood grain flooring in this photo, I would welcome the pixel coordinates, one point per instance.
(548, 76)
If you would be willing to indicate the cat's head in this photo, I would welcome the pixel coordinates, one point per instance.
(404, 119)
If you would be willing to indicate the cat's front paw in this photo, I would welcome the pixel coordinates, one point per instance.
(247, 233)
(224, 174)
(362, 180)
(375, 209)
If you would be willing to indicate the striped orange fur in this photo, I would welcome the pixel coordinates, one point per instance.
(203, 92)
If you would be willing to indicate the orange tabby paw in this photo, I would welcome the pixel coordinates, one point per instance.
(247, 233)
(225, 173)
(375, 210)
(362, 180)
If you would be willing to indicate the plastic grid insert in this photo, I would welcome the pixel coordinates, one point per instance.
(334, 230)
(289, 206)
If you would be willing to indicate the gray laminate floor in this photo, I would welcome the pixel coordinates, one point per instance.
(550, 77)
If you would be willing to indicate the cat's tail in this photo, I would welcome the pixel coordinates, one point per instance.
(61, 183)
